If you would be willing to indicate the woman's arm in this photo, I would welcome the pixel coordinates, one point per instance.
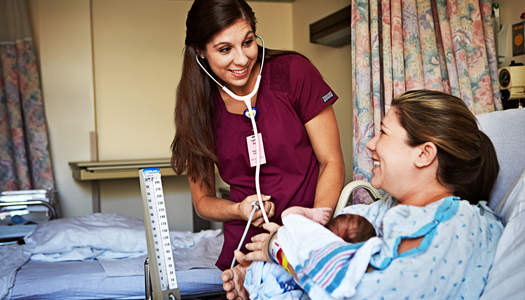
(324, 137)
(212, 208)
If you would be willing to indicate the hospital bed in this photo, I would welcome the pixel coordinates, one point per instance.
(506, 129)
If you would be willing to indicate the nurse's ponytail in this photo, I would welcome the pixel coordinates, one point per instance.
(193, 145)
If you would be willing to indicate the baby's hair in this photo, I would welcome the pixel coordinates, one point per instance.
(351, 228)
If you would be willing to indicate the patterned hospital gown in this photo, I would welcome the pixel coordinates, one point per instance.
(452, 261)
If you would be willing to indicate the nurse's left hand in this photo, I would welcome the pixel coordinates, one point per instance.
(258, 218)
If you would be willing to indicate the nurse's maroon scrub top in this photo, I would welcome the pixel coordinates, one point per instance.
(291, 93)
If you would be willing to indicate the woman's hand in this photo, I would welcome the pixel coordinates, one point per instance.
(246, 209)
(260, 242)
(233, 279)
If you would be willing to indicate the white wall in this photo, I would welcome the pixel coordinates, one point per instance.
(333, 63)
(62, 36)
(137, 60)
(137, 48)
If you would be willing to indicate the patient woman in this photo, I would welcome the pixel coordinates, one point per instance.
(437, 238)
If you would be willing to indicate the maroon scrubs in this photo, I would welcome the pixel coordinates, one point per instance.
(291, 93)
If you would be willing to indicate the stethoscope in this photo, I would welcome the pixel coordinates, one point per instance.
(251, 114)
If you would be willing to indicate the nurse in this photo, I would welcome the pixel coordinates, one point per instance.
(302, 161)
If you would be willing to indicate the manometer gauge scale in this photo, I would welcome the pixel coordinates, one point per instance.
(161, 266)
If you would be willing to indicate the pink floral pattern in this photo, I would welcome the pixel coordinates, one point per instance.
(488, 30)
(412, 47)
(398, 64)
(376, 68)
(387, 54)
(444, 45)
(362, 75)
(24, 148)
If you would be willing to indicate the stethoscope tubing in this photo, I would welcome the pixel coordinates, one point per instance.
(255, 208)
(247, 100)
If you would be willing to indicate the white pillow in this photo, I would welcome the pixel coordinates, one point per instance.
(505, 129)
(99, 231)
(507, 276)
(511, 204)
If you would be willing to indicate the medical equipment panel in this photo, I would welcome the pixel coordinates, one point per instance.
(161, 271)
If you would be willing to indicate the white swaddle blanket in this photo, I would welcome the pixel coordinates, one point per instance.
(452, 261)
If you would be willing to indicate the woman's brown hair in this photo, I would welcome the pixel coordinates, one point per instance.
(467, 161)
(193, 148)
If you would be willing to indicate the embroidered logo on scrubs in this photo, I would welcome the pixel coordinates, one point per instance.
(328, 96)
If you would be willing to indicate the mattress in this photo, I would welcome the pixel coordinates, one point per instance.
(88, 280)
(101, 256)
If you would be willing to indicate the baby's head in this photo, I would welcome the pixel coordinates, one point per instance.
(351, 228)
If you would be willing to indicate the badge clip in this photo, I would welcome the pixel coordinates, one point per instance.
(247, 113)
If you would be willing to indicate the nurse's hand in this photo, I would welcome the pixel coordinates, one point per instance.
(259, 245)
(246, 209)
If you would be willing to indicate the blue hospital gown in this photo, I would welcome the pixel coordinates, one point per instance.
(452, 261)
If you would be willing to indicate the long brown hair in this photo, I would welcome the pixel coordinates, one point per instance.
(467, 161)
(193, 148)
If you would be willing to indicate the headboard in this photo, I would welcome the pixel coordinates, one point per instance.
(506, 130)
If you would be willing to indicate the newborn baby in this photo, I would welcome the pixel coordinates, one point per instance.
(350, 227)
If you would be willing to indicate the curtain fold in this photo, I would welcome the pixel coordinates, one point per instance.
(402, 45)
(24, 147)
(363, 121)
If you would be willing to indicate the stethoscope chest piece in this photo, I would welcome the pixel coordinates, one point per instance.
(248, 115)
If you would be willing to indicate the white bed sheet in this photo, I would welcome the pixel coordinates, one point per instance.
(87, 258)
(88, 280)
(12, 257)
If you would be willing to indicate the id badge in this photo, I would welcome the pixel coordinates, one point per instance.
(252, 147)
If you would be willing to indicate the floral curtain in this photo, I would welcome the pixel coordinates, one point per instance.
(24, 147)
(401, 45)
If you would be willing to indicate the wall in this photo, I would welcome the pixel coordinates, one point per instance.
(62, 36)
(510, 12)
(137, 60)
(333, 63)
(112, 66)
(135, 80)
(136, 51)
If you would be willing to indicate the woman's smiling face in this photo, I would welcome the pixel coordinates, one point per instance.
(232, 56)
(393, 157)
